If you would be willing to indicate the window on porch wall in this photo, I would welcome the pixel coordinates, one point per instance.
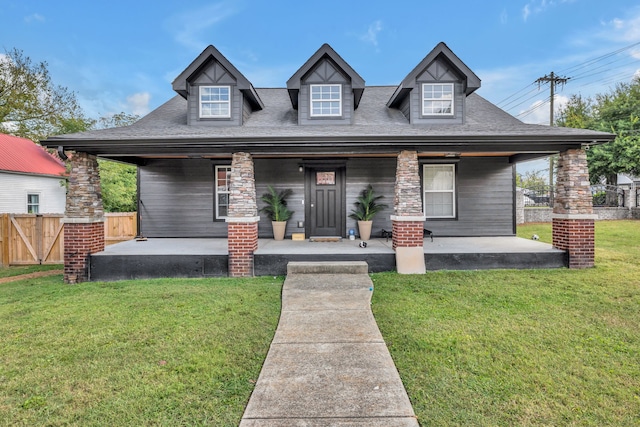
(222, 191)
(439, 186)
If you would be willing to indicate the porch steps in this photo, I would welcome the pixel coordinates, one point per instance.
(327, 267)
(325, 239)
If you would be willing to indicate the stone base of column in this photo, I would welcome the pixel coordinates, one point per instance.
(576, 236)
(242, 241)
(81, 239)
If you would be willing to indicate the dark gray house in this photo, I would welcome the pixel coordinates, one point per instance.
(326, 136)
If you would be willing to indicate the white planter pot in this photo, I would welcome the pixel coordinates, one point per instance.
(279, 228)
(364, 227)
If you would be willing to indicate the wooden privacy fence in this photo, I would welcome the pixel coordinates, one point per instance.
(27, 239)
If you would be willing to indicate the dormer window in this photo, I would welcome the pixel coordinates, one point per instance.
(215, 102)
(437, 99)
(326, 100)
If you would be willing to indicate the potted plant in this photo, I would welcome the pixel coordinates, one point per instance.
(276, 209)
(367, 207)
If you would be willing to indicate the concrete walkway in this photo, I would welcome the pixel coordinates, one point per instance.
(328, 364)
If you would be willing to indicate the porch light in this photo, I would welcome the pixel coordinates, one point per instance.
(300, 168)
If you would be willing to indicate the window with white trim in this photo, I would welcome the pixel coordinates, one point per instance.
(215, 102)
(223, 189)
(326, 100)
(33, 203)
(439, 184)
(437, 99)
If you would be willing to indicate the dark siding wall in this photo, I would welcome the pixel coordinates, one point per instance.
(485, 200)
(177, 199)
(281, 174)
(177, 196)
(381, 174)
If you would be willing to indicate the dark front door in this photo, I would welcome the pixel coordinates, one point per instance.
(324, 212)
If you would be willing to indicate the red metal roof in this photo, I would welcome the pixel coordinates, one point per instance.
(23, 155)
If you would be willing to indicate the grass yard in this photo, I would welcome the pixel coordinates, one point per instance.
(132, 353)
(494, 348)
(533, 347)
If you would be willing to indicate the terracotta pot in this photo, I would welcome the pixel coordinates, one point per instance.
(364, 227)
(279, 228)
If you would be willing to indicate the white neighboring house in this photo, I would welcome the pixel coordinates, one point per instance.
(31, 180)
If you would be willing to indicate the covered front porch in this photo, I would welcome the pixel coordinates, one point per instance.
(195, 257)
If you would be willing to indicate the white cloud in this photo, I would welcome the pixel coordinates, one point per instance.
(538, 112)
(371, 36)
(626, 29)
(504, 16)
(195, 33)
(36, 17)
(138, 103)
(539, 6)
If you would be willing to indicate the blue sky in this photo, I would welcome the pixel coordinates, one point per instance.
(123, 55)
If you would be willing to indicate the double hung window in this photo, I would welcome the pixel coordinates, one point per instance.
(223, 189)
(33, 203)
(439, 184)
(437, 99)
(326, 100)
(215, 102)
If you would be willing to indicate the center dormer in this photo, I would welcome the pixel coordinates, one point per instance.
(325, 90)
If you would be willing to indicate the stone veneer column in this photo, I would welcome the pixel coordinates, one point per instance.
(84, 217)
(573, 219)
(408, 218)
(242, 222)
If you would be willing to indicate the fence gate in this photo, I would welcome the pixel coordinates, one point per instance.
(32, 239)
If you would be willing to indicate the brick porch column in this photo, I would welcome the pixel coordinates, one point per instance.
(408, 221)
(242, 223)
(573, 219)
(84, 218)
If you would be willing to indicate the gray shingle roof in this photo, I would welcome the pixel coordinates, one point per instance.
(373, 121)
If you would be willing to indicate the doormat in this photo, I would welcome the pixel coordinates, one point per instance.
(325, 239)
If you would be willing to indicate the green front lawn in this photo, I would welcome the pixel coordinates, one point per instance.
(157, 352)
(534, 347)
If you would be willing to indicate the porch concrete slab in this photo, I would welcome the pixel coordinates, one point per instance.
(493, 244)
(328, 363)
(345, 246)
(168, 246)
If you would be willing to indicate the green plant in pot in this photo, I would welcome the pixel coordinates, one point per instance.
(367, 207)
(276, 209)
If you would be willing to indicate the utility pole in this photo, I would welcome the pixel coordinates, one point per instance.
(553, 80)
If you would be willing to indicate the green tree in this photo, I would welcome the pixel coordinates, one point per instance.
(119, 186)
(118, 180)
(616, 112)
(531, 180)
(31, 106)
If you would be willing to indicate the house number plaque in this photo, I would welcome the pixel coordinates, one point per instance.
(325, 178)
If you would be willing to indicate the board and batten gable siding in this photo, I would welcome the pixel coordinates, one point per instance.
(214, 75)
(381, 174)
(439, 71)
(485, 199)
(176, 199)
(14, 188)
(325, 72)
